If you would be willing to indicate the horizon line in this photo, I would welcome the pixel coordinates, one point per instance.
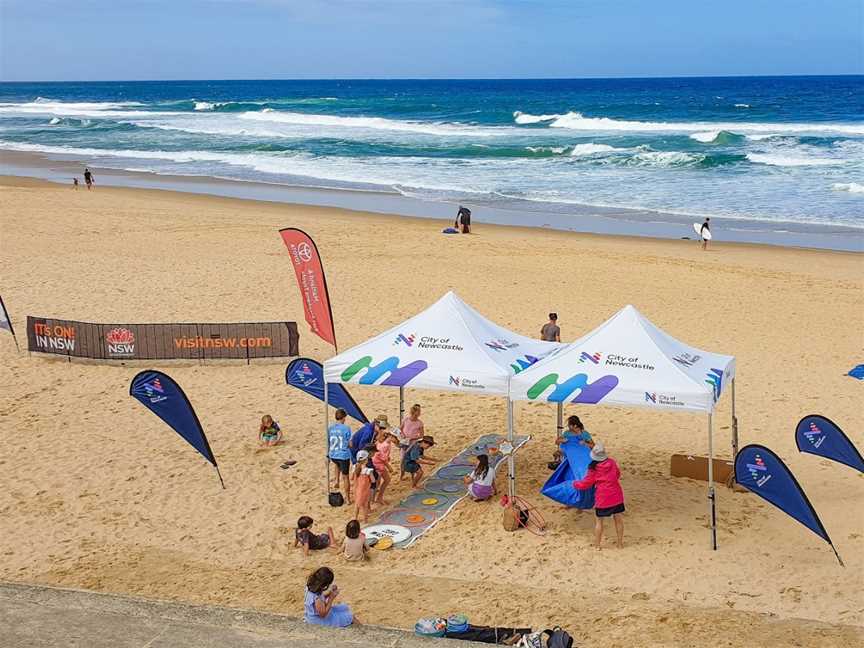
(584, 78)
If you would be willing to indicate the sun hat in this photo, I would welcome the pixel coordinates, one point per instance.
(598, 452)
(428, 439)
(362, 455)
(381, 421)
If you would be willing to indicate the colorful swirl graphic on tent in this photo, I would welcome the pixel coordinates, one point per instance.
(759, 471)
(590, 357)
(814, 435)
(522, 364)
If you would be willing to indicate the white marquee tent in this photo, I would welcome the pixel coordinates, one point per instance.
(447, 347)
(629, 362)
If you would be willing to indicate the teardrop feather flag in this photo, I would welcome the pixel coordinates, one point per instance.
(162, 396)
(820, 436)
(311, 281)
(308, 375)
(761, 471)
(6, 323)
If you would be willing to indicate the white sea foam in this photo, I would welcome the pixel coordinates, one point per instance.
(785, 160)
(758, 137)
(851, 187)
(576, 121)
(55, 120)
(371, 123)
(742, 105)
(42, 104)
(706, 137)
(590, 148)
(204, 105)
(665, 158)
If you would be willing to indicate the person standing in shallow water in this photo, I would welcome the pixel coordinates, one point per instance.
(88, 179)
(551, 331)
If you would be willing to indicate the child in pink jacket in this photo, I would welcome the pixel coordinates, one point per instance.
(604, 475)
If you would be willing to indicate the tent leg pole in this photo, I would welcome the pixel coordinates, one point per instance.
(511, 460)
(712, 509)
(560, 420)
(734, 425)
(326, 442)
(401, 404)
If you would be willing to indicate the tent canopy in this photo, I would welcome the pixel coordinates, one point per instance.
(628, 361)
(449, 346)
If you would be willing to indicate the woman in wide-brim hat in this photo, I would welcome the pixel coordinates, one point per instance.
(605, 476)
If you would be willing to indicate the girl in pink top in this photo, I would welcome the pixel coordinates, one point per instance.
(605, 476)
(412, 429)
(381, 461)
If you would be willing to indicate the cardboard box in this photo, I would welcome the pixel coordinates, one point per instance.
(695, 467)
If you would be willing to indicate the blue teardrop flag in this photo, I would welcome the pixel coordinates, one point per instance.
(308, 375)
(822, 437)
(761, 471)
(162, 396)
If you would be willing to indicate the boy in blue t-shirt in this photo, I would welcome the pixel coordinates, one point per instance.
(339, 434)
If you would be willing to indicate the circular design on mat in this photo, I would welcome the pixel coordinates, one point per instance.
(410, 517)
(426, 500)
(384, 543)
(394, 532)
(444, 486)
(454, 471)
(490, 439)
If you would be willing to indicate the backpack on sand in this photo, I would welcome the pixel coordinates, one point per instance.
(558, 638)
(336, 499)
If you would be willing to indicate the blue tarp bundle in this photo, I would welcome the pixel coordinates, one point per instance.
(559, 486)
(857, 372)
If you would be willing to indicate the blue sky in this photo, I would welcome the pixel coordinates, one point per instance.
(255, 39)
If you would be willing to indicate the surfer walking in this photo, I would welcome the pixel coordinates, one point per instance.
(705, 233)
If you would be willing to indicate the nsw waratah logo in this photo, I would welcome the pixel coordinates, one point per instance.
(759, 471)
(593, 358)
(407, 340)
(305, 375)
(814, 435)
(121, 341)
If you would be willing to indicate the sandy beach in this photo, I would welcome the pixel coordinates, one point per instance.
(96, 493)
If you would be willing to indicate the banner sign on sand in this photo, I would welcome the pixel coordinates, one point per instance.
(239, 341)
(313, 285)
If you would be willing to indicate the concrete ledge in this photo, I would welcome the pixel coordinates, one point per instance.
(35, 616)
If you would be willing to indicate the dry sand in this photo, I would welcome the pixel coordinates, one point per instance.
(95, 492)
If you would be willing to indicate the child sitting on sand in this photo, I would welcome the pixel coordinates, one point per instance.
(269, 433)
(354, 544)
(481, 482)
(413, 459)
(304, 536)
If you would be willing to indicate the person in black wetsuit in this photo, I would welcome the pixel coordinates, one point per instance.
(88, 178)
(463, 220)
(705, 228)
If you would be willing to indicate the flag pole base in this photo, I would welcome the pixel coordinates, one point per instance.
(220, 477)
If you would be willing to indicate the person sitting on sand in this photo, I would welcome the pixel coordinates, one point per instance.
(603, 473)
(319, 606)
(414, 459)
(304, 537)
(269, 433)
(381, 462)
(551, 332)
(364, 477)
(481, 482)
(354, 545)
(339, 436)
(412, 428)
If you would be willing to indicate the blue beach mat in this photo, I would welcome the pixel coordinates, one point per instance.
(857, 372)
(422, 509)
(559, 487)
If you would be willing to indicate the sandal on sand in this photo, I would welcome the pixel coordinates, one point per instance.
(287, 464)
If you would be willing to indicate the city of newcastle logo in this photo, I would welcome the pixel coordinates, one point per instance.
(454, 380)
(593, 358)
(589, 393)
(389, 369)
(154, 390)
(814, 435)
(687, 359)
(650, 397)
(406, 340)
(759, 471)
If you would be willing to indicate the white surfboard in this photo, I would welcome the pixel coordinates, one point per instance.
(698, 228)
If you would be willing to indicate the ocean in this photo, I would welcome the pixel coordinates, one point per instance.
(777, 152)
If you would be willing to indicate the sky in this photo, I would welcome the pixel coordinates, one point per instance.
(90, 40)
